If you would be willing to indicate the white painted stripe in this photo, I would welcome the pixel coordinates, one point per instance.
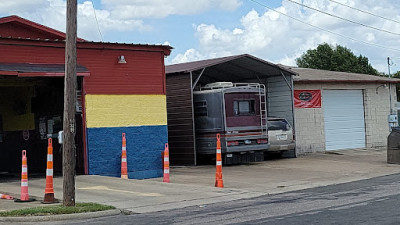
(219, 163)
(50, 158)
(123, 148)
(218, 150)
(24, 184)
(166, 159)
(166, 170)
(49, 172)
(24, 169)
(123, 160)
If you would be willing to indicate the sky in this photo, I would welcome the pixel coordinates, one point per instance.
(278, 31)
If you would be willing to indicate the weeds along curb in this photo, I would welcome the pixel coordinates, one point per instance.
(87, 215)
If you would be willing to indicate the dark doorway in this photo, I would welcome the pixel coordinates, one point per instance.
(31, 111)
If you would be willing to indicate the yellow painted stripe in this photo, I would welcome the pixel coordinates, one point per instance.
(125, 110)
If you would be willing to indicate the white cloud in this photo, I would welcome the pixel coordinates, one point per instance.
(279, 39)
(131, 9)
(52, 13)
(114, 15)
(189, 55)
(22, 6)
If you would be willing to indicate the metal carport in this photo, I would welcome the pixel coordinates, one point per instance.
(183, 78)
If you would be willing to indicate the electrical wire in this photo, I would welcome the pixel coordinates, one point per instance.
(369, 13)
(97, 22)
(326, 30)
(338, 17)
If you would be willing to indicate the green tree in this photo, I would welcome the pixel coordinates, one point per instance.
(396, 75)
(335, 58)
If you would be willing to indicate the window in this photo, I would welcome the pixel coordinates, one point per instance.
(243, 107)
(278, 124)
(200, 108)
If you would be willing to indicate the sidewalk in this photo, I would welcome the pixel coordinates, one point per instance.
(195, 185)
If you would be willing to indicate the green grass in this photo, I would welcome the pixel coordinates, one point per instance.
(57, 209)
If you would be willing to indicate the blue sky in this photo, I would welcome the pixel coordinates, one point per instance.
(201, 29)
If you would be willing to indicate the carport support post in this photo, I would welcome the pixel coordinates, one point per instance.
(69, 107)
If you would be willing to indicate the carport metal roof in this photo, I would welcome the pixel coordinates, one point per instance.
(238, 68)
(38, 70)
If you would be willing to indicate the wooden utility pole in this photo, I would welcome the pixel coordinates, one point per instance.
(69, 125)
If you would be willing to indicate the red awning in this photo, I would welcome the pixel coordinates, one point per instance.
(38, 70)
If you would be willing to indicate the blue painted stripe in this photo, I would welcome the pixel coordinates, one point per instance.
(144, 145)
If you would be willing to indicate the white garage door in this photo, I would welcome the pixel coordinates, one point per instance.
(344, 119)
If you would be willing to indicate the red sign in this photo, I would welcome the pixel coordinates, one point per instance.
(307, 98)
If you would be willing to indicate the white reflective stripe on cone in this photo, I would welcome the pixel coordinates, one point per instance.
(218, 150)
(50, 158)
(219, 163)
(166, 170)
(49, 172)
(123, 160)
(123, 148)
(166, 159)
(24, 169)
(24, 184)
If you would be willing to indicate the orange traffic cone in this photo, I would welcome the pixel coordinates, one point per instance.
(124, 164)
(218, 174)
(8, 197)
(24, 180)
(166, 164)
(49, 190)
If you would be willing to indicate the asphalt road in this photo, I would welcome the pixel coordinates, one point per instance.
(373, 201)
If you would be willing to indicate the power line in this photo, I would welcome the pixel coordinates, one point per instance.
(97, 22)
(331, 32)
(366, 12)
(338, 17)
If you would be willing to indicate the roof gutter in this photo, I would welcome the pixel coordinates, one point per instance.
(347, 81)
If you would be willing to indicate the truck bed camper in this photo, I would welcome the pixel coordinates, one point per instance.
(238, 112)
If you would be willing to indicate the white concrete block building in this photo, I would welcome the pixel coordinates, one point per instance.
(352, 113)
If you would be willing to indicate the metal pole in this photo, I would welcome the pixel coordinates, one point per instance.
(69, 123)
(390, 88)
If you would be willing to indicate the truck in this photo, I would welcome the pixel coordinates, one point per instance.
(238, 112)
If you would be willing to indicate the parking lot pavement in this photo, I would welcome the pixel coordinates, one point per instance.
(282, 175)
(195, 185)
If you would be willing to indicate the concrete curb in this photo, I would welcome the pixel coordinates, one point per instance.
(88, 215)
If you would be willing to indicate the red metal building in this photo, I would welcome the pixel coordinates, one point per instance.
(121, 89)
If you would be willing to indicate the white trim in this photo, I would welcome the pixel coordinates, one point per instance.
(49, 172)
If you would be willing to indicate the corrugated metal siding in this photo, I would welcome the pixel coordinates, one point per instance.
(280, 98)
(180, 120)
(23, 31)
(30, 54)
(142, 74)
